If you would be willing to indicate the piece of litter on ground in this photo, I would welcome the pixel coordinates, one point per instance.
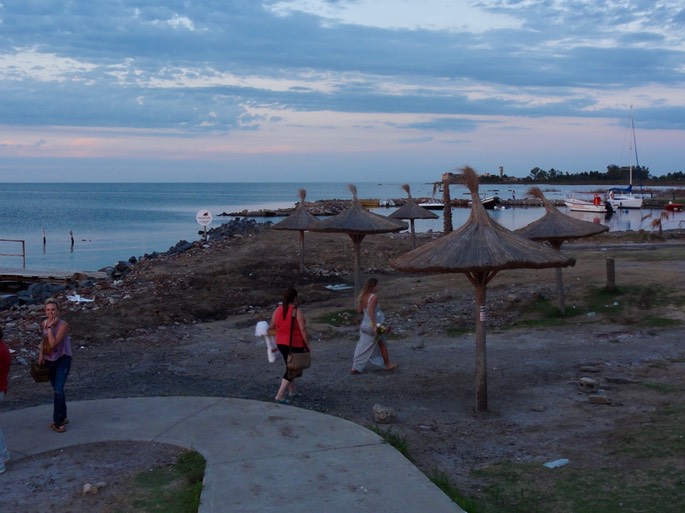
(556, 463)
(77, 298)
(339, 286)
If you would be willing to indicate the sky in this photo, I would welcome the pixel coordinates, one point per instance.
(337, 90)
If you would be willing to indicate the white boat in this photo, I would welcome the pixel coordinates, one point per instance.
(432, 205)
(581, 205)
(489, 202)
(624, 198)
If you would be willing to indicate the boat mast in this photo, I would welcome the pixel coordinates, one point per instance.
(637, 162)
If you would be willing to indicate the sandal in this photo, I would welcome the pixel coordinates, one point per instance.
(354, 372)
(391, 367)
(282, 401)
(58, 429)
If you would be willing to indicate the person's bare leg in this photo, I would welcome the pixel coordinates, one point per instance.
(386, 358)
(280, 395)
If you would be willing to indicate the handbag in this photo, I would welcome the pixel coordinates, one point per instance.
(39, 373)
(297, 361)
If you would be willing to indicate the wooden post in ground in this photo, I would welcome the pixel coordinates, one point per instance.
(611, 274)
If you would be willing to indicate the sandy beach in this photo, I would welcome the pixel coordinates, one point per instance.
(184, 325)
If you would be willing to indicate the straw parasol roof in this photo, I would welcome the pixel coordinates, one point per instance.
(300, 220)
(358, 222)
(556, 228)
(480, 249)
(410, 210)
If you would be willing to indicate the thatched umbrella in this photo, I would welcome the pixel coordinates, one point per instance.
(555, 228)
(358, 222)
(480, 249)
(410, 210)
(299, 220)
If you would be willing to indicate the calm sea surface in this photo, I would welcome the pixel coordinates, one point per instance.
(112, 222)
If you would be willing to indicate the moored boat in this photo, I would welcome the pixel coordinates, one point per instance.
(490, 202)
(624, 198)
(576, 204)
(673, 207)
(432, 205)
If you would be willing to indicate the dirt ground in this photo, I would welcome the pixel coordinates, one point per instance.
(185, 326)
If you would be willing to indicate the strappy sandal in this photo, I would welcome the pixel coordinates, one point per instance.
(58, 429)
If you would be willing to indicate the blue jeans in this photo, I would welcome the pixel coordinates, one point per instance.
(59, 370)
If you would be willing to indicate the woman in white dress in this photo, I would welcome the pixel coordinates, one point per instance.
(371, 347)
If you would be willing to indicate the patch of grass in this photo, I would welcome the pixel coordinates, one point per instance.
(169, 489)
(660, 322)
(646, 476)
(544, 313)
(339, 318)
(397, 441)
(599, 300)
(441, 480)
(538, 323)
(643, 297)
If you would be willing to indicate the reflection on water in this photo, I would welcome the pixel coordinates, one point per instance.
(633, 219)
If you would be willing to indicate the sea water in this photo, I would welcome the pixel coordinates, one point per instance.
(114, 221)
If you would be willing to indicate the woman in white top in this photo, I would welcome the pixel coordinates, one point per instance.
(371, 347)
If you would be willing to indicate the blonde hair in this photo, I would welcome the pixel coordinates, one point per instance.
(368, 287)
(52, 301)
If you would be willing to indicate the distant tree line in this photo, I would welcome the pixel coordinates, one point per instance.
(614, 174)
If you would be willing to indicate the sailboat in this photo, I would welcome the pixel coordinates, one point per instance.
(624, 198)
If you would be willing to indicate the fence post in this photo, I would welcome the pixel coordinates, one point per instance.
(611, 274)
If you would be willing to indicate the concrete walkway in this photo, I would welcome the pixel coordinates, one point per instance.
(333, 465)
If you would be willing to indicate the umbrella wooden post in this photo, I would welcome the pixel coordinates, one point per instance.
(480, 280)
(560, 291)
(357, 242)
(447, 209)
(413, 234)
(611, 275)
(301, 251)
